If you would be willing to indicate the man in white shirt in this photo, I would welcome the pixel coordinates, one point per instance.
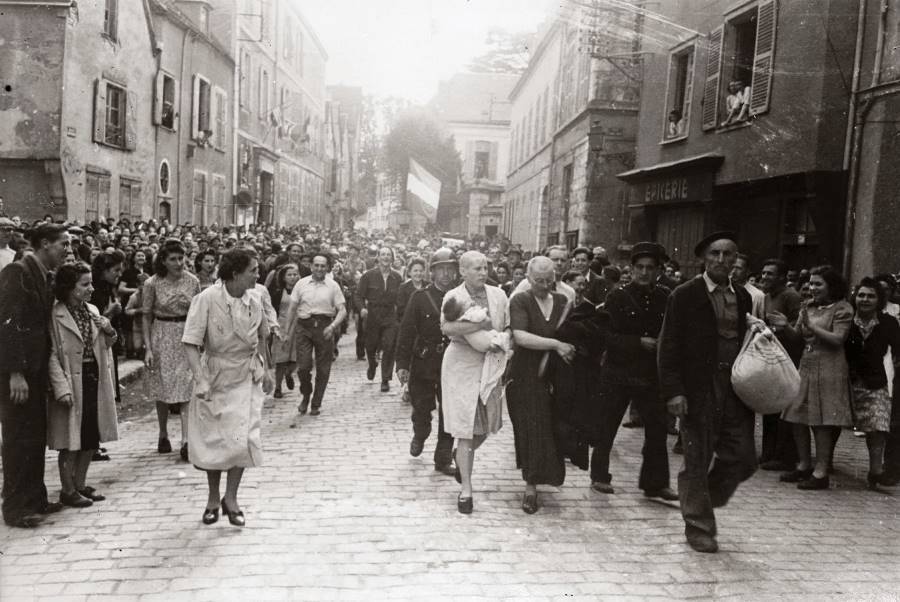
(6, 232)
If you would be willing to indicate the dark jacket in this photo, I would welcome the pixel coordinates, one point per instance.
(634, 312)
(866, 357)
(688, 343)
(404, 293)
(420, 343)
(372, 294)
(25, 305)
(597, 288)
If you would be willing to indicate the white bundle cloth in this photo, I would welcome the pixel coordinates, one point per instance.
(763, 375)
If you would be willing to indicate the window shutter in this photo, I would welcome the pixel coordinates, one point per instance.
(195, 108)
(711, 85)
(761, 84)
(158, 97)
(221, 122)
(99, 111)
(469, 160)
(492, 164)
(176, 103)
(205, 106)
(136, 205)
(130, 120)
(688, 91)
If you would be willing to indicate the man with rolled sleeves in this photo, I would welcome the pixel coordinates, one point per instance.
(701, 336)
(317, 309)
(629, 373)
(420, 351)
(376, 299)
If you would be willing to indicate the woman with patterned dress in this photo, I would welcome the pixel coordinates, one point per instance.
(166, 299)
(284, 351)
(534, 316)
(232, 377)
(824, 400)
(872, 334)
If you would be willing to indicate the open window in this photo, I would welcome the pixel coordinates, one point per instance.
(115, 111)
(165, 101)
(679, 92)
(201, 129)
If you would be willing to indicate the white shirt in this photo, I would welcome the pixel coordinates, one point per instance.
(317, 297)
(265, 299)
(6, 257)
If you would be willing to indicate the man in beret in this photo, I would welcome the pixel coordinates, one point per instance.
(701, 336)
(635, 313)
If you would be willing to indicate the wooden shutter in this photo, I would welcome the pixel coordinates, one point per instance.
(130, 120)
(158, 92)
(761, 84)
(688, 90)
(104, 185)
(99, 111)
(205, 105)
(195, 107)
(711, 85)
(176, 103)
(469, 160)
(492, 164)
(136, 205)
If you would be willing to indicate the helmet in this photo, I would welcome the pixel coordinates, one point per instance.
(443, 256)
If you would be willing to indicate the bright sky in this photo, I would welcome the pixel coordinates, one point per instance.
(405, 47)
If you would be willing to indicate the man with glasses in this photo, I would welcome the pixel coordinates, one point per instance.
(317, 309)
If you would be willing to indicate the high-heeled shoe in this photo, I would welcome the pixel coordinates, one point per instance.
(235, 518)
(464, 504)
(210, 516)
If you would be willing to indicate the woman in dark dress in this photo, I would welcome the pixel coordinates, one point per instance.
(107, 270)
(534, 317)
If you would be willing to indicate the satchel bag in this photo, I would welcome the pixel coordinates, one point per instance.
(763, 375)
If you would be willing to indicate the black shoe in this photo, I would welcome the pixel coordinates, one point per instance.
(50, 508)
(304, 405)
(277, 394)
(601, 487)
(163, 447)
(446, 469)
(814, 483)
(99, 456)
(210, 516)
(796, 475)
(633, 424)
(25, 522)
(370, 372)
(529, 503)
(315, 412)
(874, 480)
(664, 494)
(91, 494)
(184, 452)
(235, 518)
(415, 447)
(464, 504)
(385, 386)
(289, 382)
(74, 500)
(776, 465)
(701, 541)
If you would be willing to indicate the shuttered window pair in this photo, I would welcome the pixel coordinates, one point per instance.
(209, 113)
(115, 112)
(739, 64)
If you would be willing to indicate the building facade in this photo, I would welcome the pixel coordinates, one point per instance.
(574, 123)
(474, 109)
(76, 133)
(279, 111)
(744, 126)
(192, 115)
(342, 117)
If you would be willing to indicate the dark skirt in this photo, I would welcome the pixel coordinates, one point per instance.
(530, 408)
(90, 423)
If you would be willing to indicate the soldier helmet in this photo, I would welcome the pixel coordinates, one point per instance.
(443, 256)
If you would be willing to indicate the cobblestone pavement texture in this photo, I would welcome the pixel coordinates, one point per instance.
(341, 511)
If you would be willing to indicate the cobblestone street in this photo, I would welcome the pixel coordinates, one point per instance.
(341, 511)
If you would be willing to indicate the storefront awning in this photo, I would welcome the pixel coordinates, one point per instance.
(706, 161)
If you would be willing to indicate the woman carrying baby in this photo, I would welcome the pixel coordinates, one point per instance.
(468, 415)
(534, 316)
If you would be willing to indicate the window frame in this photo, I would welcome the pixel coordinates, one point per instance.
(111, 20)
(688, 47)
(120, 111)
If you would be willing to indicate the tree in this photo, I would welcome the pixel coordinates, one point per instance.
(507, 52)
(378, 116)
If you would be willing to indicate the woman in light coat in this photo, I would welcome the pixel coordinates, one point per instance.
(83, 411)
(467, 416)
(231, 379)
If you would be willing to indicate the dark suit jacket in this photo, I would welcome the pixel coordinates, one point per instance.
(687, 351)
(25, 304)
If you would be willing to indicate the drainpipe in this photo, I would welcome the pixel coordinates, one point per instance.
(182, 146)
(853, 142)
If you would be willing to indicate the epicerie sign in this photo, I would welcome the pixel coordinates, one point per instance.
(663, 191)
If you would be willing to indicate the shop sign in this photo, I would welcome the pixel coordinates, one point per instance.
(687, 188)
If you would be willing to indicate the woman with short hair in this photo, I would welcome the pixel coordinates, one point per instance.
(83, 411)
(232, 377)
(284, 351)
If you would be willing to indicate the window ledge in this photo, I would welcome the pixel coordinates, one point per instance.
(666, 141)
(734, 126)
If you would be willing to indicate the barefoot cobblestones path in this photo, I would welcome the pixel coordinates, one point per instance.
(341, 511)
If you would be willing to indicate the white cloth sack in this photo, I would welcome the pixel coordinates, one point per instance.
(763, 375)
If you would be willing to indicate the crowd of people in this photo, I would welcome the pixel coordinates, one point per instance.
(568, 341)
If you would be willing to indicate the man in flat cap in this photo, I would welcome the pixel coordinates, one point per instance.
(629, 373)
(701, 336)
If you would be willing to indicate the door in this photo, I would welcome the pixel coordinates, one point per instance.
(679, 229)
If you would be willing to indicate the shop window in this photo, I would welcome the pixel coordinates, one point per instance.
(739, 67)
(114, 115)
(679, 93)
(111, 19)
(164, 101)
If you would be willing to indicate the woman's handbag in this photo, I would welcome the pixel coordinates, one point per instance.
(763, 375)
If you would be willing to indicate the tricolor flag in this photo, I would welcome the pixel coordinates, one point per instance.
(423, 191)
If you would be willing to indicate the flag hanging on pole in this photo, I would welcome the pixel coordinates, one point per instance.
(423, 191)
